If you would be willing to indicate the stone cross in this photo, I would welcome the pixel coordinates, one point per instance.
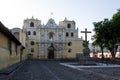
(86, 33)
(51, 14)
(86, 50)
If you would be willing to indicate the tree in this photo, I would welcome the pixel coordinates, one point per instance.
(99, 35)
(116, 24)
(107, 33)
(110, 36)
(116, 29)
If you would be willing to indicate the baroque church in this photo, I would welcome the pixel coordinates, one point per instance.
(52, 41)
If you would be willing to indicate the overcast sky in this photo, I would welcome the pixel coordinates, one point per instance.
(83, 12)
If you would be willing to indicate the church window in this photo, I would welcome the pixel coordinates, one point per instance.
(69, 43)
(32, 49)
(72, 34)
(29, 33)
(67, 34)
(34, 33)
(32, 43)
(69, 50)
(51, 36)
(31, 24)
(69, 25)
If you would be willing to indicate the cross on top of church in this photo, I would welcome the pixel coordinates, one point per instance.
(85, 33)
(51, 14)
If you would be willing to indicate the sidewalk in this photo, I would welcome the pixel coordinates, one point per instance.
(4, 73)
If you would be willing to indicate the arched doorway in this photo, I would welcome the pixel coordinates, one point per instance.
(51, 51)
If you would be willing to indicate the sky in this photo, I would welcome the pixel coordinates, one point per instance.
(83, 12)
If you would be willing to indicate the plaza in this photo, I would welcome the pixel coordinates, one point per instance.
(53, 70)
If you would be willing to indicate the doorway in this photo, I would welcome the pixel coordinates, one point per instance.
(51, 52)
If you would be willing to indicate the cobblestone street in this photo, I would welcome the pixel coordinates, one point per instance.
(52, 70)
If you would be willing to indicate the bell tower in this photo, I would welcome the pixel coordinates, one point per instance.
(31, 28)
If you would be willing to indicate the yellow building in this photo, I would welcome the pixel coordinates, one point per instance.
(10, 48)
(51, 40)
(21, 36)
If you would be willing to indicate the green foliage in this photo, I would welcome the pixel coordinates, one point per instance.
(99, 35)
(107, 33)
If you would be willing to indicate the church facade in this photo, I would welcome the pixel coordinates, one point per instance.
(52, 41)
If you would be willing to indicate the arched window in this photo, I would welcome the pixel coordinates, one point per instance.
(31, 24)
(72, 34)
(69, 43)
(50, 35)
(29, 33)
(34, 33)
(69, 50)
(32, 49)
(67, 34)
(69, 25)
(32, 43)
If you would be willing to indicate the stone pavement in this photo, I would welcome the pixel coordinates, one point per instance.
(52, 70)
(5, 73)
(111, 71)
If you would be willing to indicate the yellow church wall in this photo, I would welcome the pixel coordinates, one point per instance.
(36, 53)
(24, 55)
(14, 57)
(35, 47)
(22, 38)
(75, 47)
(4, 53)
(3, 40)
(5, 58)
